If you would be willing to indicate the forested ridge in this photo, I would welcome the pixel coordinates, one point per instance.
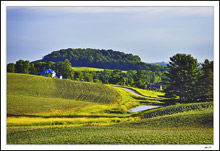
(106, 59)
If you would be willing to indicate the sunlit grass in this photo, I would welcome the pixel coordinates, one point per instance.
(90, 69)
(192, 127)
(38, 86)
(39, 121)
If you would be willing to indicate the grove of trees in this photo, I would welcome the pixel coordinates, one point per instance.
(186, 82)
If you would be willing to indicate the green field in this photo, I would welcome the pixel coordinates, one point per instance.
(43, 110)
(86, 69)
(193, 127)
(90, 69)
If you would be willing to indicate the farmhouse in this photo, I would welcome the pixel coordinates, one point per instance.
(51, 73)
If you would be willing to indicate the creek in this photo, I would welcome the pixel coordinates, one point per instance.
(142, 108)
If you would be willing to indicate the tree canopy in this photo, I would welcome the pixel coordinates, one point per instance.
(106, 59)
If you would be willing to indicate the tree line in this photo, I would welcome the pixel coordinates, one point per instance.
(106, 59)
(135, 78)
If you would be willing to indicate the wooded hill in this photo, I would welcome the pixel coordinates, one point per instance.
(106, 59)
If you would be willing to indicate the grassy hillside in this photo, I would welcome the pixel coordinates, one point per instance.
(36, 94)
(38, 86)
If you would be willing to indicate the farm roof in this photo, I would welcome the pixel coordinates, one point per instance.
(48, 71)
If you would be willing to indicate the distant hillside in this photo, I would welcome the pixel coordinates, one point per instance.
(106, 59)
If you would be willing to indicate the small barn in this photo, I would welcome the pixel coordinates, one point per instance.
(48, 73)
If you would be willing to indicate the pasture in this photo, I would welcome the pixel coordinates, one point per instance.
(91, 69)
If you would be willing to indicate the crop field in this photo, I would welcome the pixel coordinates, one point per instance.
(42, 110)
(38, 86)
(176, 109)
(192, 127)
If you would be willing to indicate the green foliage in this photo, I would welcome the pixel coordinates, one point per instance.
(78, 75)
(33, 69)
(182, 77)
(11, 67)
(22, 66)
(65, 68)
(205, 82)
(88, 77)
(26, 67)
(19, 66)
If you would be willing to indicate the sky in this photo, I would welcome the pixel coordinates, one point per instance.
(153, 33)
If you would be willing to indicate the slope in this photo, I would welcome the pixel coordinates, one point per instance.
(31, 94)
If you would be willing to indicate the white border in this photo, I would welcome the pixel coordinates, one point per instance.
(4, 4)
(109, 3)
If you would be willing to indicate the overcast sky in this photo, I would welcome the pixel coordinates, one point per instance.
(153, 33)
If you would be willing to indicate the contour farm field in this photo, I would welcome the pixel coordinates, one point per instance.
(42, 110)
(193, 127)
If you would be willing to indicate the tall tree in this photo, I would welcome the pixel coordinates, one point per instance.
(26, 67)
(78, 75)
(11, 67)
(182, 77)
(32, 69)
(206, 82)
(115, 76)
(65, 69)
(19, 66)
(88, 77)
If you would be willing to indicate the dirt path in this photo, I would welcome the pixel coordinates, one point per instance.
(135, 93)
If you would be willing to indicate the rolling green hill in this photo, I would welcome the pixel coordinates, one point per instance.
(32, 94)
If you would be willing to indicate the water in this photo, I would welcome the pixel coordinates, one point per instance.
(142, 108)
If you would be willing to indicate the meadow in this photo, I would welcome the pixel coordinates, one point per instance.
(91, 69)
(42, 110)
(86, 69)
